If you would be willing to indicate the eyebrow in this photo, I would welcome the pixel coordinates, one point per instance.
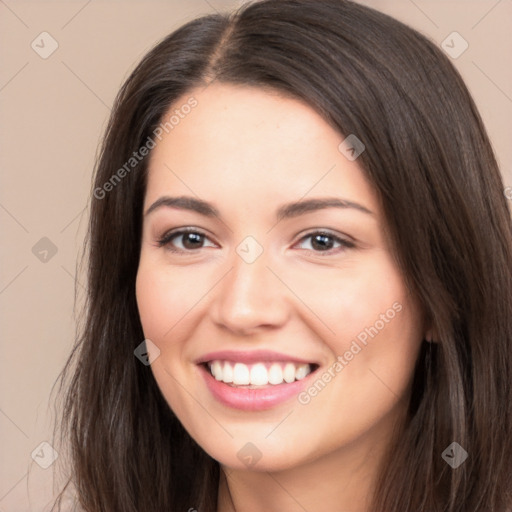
(285, 211)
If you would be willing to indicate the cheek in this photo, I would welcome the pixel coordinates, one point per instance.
(350, 300)
(162, 300)
(374, 325)
(163, 303)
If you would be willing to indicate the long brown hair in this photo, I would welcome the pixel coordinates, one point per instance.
(431, 163)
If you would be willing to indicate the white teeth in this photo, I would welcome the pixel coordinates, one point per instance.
(275, 374)
(301, 371)
(289, 372)
(258, 374)
(227, 373)
(217, 370)
(241, 374)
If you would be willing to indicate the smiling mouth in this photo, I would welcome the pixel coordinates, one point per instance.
(259, 374)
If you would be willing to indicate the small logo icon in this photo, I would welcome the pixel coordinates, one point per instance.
(44, 45)
(146, 352)
(351, 147)
(44, 455)
(455, 455)
(44, 250)
(454, 45)
(249, 249)
(249, 455)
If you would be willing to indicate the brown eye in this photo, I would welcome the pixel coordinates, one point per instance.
(321, 241)
(191, 240)
(184, 240)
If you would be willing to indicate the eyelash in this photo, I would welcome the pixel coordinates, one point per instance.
(165, 241)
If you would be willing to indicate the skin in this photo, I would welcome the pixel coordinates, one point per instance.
(248, 151)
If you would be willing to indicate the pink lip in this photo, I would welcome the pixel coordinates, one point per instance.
(258, 399)
(248, 357)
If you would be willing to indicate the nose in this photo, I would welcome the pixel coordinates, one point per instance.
(250, 298)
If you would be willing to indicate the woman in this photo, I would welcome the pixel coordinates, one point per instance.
(299, 277)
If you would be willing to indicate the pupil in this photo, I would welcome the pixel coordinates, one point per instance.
(320, 241)
(194, 238)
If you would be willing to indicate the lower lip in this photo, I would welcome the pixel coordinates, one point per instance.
(253, 399)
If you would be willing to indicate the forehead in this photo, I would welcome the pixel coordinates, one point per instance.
(246, 142)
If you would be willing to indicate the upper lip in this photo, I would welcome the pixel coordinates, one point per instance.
(248, 357)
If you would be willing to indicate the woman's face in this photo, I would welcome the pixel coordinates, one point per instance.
(285, 287)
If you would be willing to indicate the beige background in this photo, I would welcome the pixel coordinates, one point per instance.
(53, 112)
